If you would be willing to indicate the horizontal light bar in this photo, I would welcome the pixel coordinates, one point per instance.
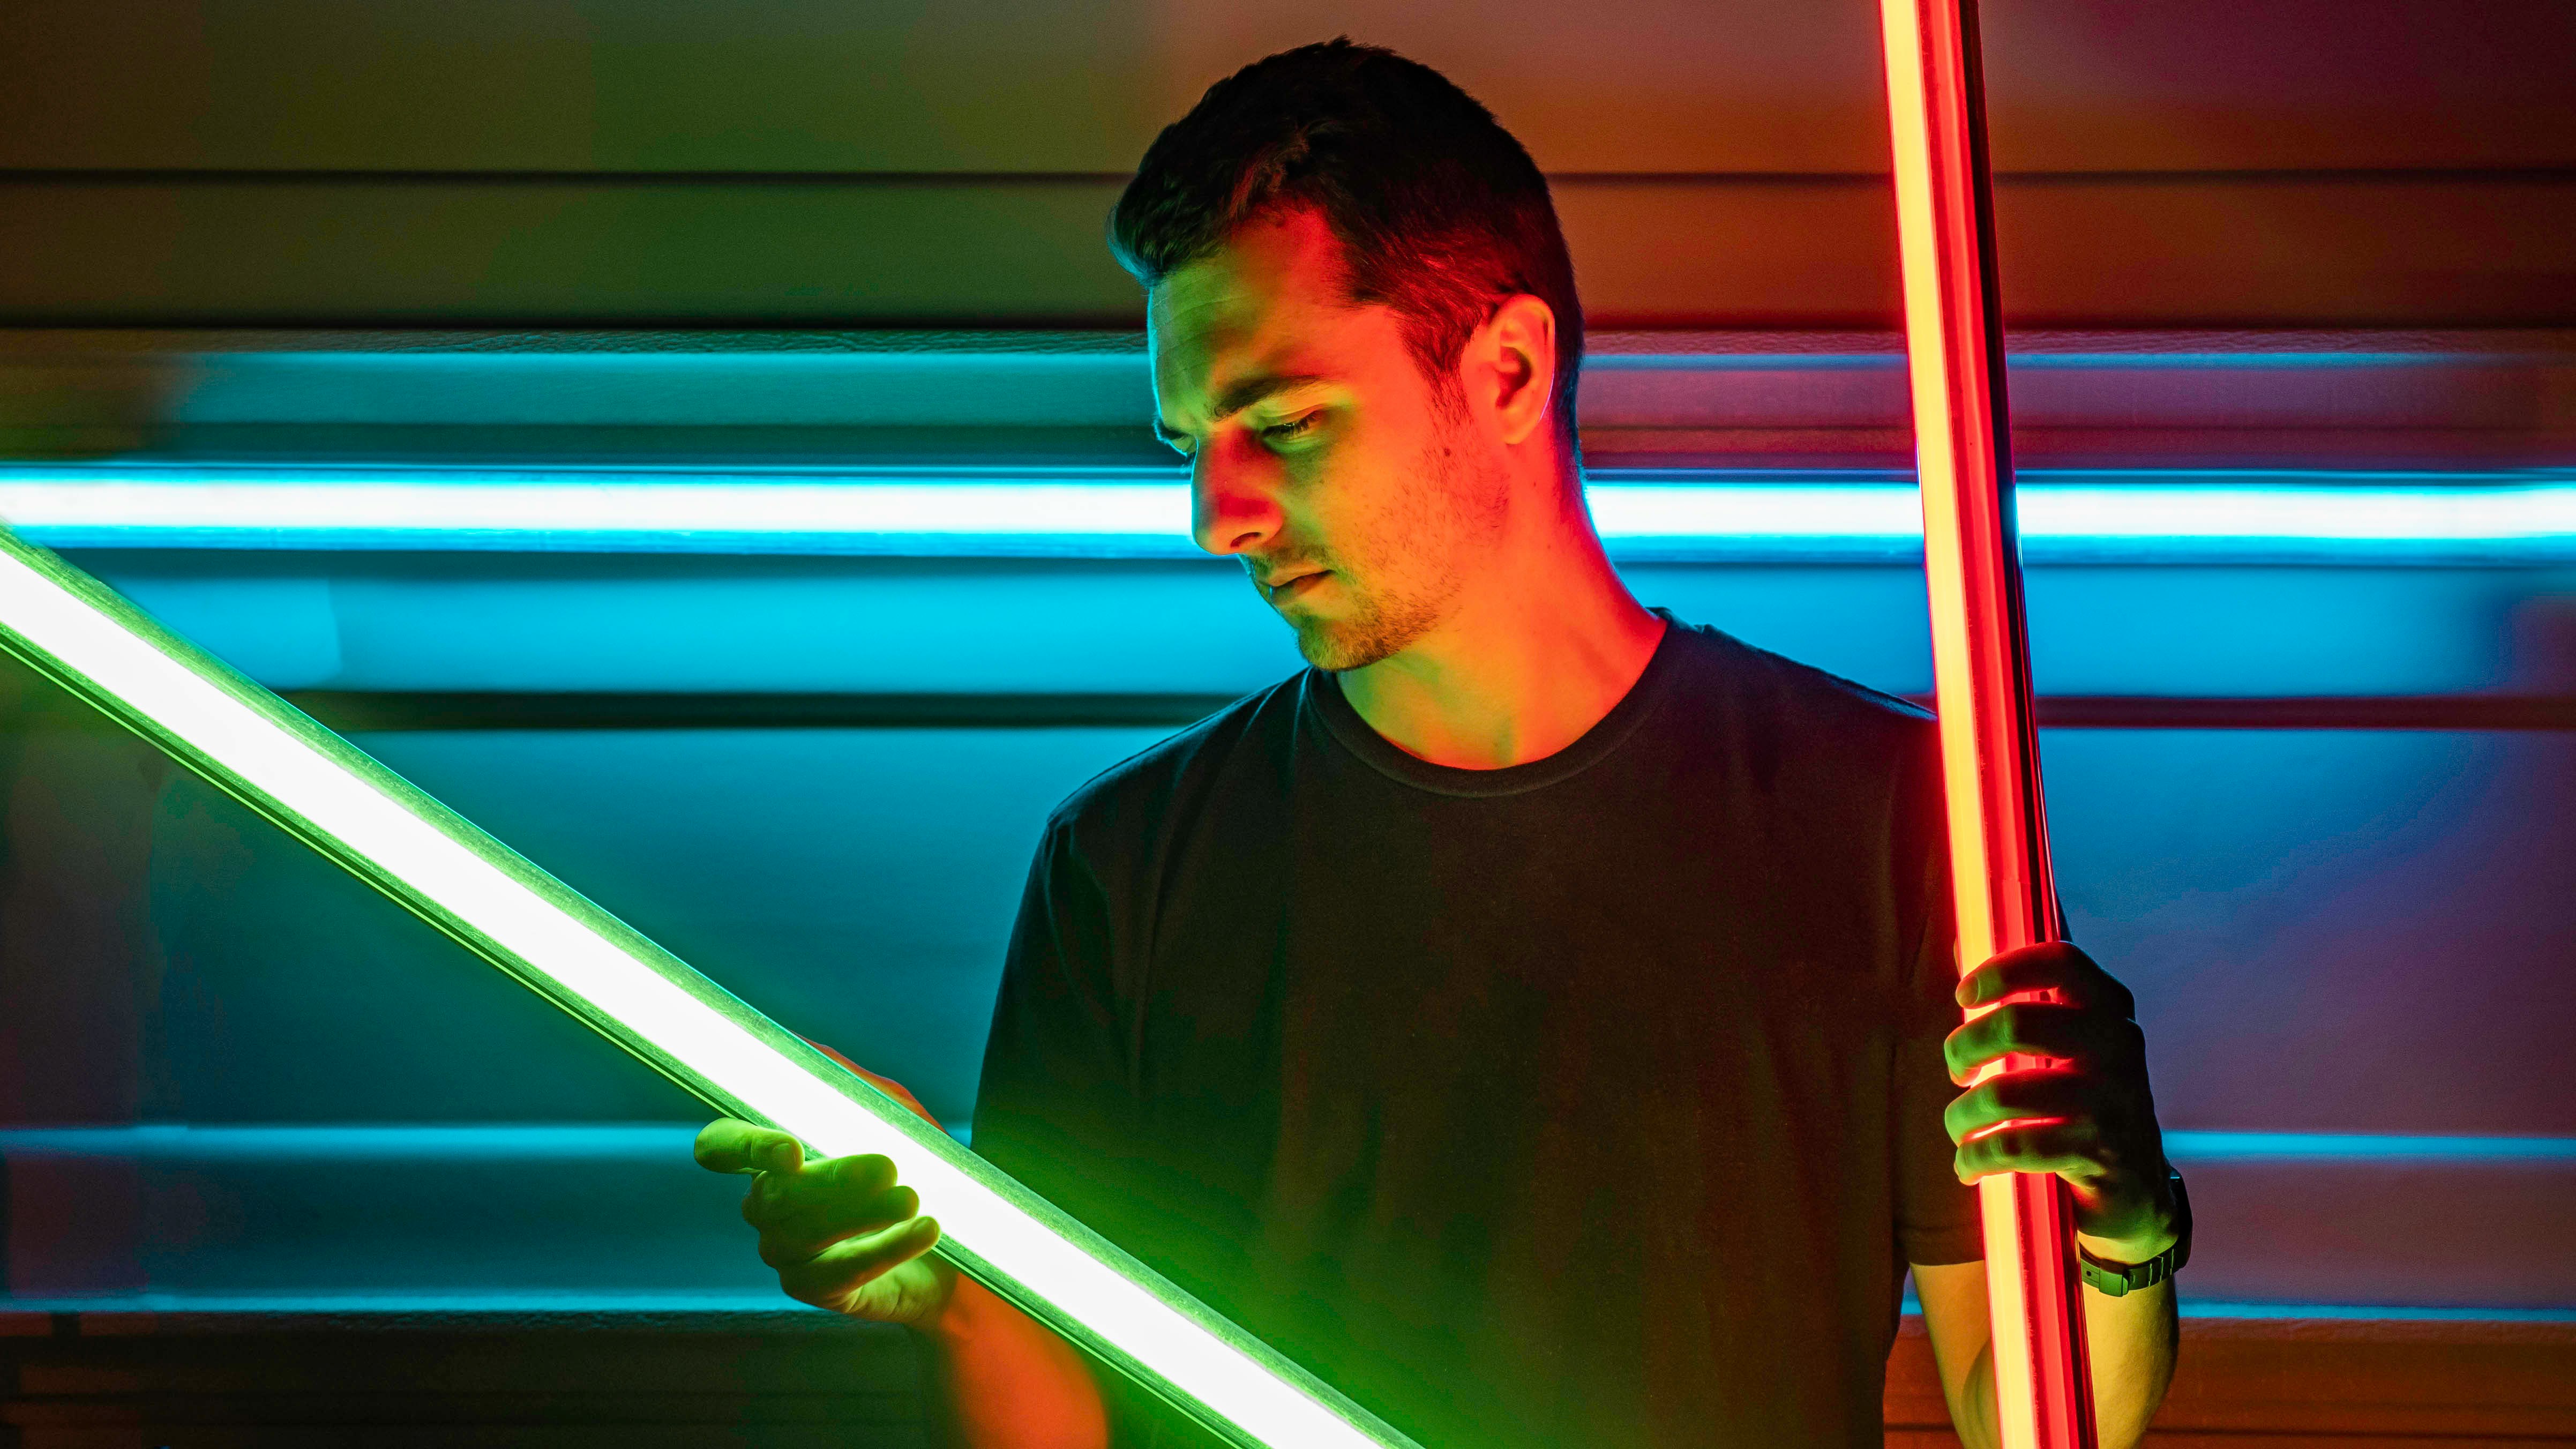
(642, 1143)
(2065, 516)
(2191, 1307)
(602, 971)
(2409, 1149)
(380, 508)
(577, 1307)
(668, 1142)
(588, 1305)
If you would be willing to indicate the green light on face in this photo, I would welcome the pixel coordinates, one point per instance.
(335, 798)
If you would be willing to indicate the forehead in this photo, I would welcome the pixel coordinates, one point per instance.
(1269, 300)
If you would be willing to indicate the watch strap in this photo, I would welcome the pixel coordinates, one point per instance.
(2115, 1280)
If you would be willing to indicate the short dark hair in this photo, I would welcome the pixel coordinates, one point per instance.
(1440, 212)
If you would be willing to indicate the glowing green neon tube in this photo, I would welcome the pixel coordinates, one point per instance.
(325, 791)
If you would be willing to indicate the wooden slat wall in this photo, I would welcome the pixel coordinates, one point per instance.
(2370, 399)
(536, 162)
(2290, 1384)
(629, 163)
(795, 1380)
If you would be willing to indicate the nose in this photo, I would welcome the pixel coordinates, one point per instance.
(1234, 508)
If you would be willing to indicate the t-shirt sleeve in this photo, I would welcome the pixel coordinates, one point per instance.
(1055, 1108)
(1936, 1214)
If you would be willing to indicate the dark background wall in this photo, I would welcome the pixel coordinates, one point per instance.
(2278, 162)
(2278, 237)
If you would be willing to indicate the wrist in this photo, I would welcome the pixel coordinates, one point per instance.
(2127, 1250)
(2132, 1261)
(2166, 1221)
(968, 1314)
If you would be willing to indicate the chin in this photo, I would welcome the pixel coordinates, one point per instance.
(1341, 645)
(1328, 651)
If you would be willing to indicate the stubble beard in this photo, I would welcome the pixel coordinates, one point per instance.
(1379, 628)
(1416, 554)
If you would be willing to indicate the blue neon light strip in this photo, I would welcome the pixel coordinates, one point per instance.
(2191, 1307)
(669, 1141)
(477, 1303)
(588, 1304)
(360, 1142)
(2066, 516)
(2376, 1148)
(372, 1146)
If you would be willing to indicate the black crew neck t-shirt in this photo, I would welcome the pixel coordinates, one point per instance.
(1591, 1101)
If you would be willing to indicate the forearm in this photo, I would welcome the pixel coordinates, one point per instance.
(1009, 1382)
(2131, 1341)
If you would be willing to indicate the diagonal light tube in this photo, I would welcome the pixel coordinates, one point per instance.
(324, 790)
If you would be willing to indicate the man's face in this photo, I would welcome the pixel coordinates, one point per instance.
(1359, 498)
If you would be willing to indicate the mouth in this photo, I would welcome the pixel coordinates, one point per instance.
(1289, 588)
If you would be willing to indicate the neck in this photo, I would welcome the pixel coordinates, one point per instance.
(1537, 648)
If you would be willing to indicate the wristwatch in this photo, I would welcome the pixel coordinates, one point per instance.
(2112, 1280)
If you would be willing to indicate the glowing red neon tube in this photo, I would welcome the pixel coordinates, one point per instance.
(1981, 659)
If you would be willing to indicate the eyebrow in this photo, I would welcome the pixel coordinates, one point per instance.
(1243, 395)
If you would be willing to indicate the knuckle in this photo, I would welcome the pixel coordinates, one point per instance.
(856, 1174)
(767, 1208)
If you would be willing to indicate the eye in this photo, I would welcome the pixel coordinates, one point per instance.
(1281, 432)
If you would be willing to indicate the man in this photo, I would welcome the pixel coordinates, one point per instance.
(1533, 1016)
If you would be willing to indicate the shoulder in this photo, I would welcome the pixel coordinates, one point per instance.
(1820, 746)
(1141, 797)
(1842, 777)
(1736, 686)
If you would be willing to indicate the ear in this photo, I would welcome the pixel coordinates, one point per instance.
(1510, 368)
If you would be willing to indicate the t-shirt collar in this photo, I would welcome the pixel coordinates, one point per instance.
(1322, 701)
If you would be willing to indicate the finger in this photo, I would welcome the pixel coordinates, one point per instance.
(2049, 966)
(813, 1193)
(2016, 1096)
(2072, 1147)
(830, 1278)
(782, 1244)
(726, 1145)
(2081, 1035)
